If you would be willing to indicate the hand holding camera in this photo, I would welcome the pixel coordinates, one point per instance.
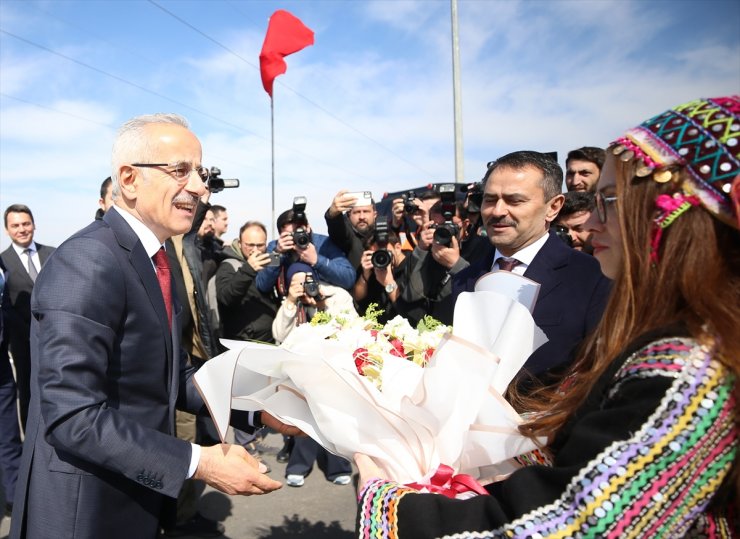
(295, 290)
(446, 255)
(259, 260)
(425, 236)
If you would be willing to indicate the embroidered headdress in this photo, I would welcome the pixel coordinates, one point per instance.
(704, 137)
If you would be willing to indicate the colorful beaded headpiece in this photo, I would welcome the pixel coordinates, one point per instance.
(704, 137)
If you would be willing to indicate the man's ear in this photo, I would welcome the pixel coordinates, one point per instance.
(127, 181)
(554, 205)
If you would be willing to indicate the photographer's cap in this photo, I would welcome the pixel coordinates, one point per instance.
(297, 267)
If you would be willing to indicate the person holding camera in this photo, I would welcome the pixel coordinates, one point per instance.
(409, 213)
(350, 220)
(382, 269)
(434, 261)
(245, 312)
(298, 243)
(306, 296)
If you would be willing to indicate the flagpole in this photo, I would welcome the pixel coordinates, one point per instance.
(272, 153)
(456, 96)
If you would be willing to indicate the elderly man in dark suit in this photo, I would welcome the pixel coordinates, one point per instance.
(23, 260)
(100, 459)
(522, 196)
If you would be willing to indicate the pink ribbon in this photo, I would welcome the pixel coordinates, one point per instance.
(445, 483)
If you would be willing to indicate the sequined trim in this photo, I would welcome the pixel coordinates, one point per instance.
(657, 483)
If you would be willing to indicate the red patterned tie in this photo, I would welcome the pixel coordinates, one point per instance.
(163, 276)
(507, 264)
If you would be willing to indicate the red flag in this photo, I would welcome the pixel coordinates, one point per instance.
(286, 34)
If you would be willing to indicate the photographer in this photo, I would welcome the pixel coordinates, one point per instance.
(245, 312)
(350, 220)
(306, 296)
(433, 262)
(409, 213)
(297, 243)
(381, 276)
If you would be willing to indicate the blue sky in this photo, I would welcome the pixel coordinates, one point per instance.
(368, 107)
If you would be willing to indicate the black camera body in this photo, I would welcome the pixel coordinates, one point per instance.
(443, 233)
(563, 233)
(301, 237)
(217, 184)
(475, 197)
(311, 287)
(382, 257)
(409, 206)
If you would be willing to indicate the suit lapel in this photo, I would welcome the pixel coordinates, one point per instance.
(143, 265)
(545, 267)
(17, 269)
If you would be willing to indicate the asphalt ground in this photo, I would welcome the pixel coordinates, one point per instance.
(319, 509)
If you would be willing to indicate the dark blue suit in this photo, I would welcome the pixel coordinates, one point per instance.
(100, 457)
(572, 297)
(10, 432)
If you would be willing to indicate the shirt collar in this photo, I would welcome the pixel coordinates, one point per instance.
(21, 250)
(148, 239)
(526, 255)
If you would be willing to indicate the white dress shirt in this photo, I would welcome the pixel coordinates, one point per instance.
(524, 256)
(151, 246)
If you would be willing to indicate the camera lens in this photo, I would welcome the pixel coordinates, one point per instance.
(410, 207)
(311, 288)
(301, 239)
(381, 259)
(443, 236)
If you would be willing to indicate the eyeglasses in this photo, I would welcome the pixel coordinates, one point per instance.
(254, 245)
(601, 203)
(180, 171)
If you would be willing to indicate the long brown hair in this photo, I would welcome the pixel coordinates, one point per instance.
(695, 283)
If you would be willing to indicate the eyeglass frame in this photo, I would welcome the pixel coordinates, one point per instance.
(180, 181)
(255, 245)
(601, 203)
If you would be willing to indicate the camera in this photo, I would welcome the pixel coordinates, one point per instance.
(301, 238)
(310, 287)
(275, 259)
(217, 184)
(443, 233)
(382, 257)
(563, 233)
(408, 203)
(475, 197)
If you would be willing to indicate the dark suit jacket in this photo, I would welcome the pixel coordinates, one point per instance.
(572, 297)
(19, 287)
(100, 455)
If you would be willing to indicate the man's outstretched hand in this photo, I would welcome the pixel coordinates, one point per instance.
(232, 470)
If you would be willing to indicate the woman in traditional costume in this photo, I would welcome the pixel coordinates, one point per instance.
(643, 432)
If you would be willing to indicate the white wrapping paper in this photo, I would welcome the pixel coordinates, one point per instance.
(450, 412)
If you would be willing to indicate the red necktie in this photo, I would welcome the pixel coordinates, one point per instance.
(163, 276)
(507, 264)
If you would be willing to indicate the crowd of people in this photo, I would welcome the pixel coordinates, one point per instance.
(639, 274)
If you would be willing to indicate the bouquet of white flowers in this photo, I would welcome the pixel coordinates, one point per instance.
(414, 399)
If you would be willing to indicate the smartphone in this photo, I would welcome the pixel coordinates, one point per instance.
(274, 259)
(362, 198)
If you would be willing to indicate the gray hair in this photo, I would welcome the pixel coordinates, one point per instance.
(132, 145)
